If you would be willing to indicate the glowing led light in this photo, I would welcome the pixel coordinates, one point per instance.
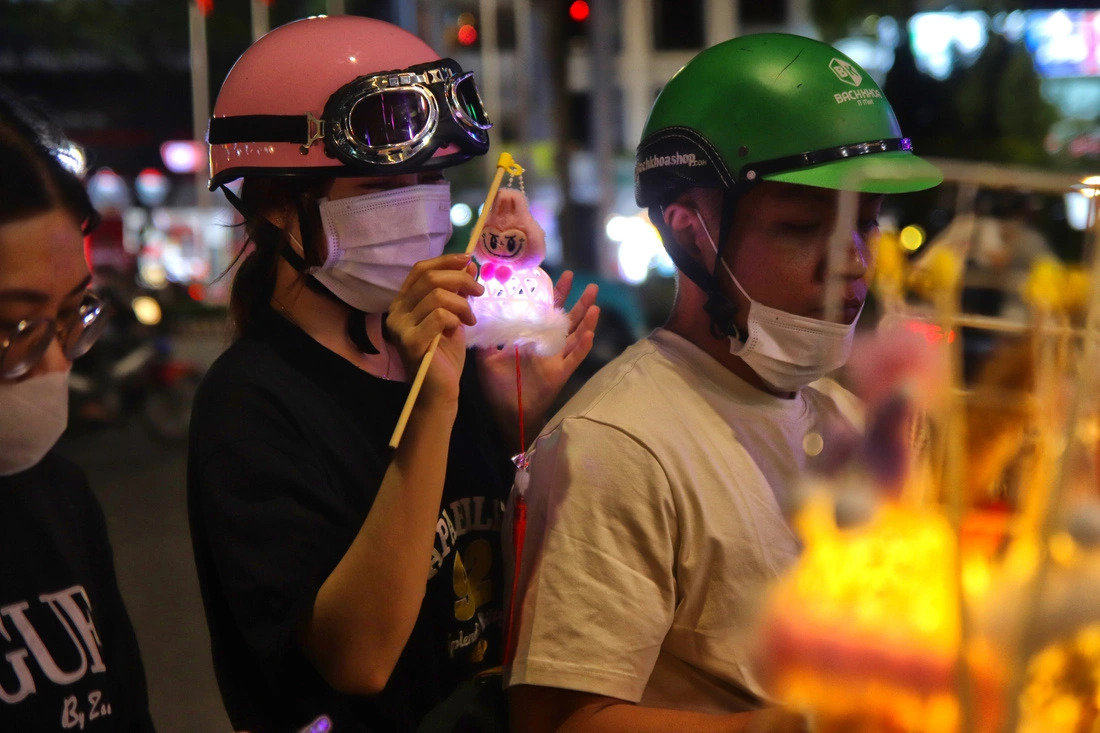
(911, 237)
(1078, 206)
(1090, 186)
(461, 214)
(578, 10)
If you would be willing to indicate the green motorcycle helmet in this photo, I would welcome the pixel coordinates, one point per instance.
(774, 107)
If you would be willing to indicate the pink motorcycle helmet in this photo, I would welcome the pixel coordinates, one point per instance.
(343, 96)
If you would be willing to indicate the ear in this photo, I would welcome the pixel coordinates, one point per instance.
(682, 219)
(506, 203)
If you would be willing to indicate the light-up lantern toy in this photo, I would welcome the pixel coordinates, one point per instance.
(517, 307)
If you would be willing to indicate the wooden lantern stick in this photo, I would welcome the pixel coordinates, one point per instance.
(505, 164)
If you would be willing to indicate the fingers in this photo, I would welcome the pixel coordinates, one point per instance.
(439, 298)
(455, 273)
(562, 288)
(432, 301)
(585, 303)
(413, 340)
(579, 342)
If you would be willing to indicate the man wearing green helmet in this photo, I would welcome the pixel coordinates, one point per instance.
(654, 501)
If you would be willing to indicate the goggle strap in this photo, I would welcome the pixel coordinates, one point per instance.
(261, 129)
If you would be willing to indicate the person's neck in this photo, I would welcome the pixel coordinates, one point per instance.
(692, 323)
(325, 319)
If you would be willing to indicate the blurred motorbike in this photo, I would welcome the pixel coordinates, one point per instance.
(131, 372)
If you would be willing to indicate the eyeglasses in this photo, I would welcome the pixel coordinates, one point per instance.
(26, 344)
(385, 123)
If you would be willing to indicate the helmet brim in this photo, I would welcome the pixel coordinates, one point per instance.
(897, 171)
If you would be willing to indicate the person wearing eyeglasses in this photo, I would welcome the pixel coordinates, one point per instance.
(70, 657)
(349, 586)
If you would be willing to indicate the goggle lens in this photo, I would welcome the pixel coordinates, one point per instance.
(466, 95)
(389, 118)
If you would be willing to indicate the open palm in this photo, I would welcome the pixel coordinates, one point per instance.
(542, 376)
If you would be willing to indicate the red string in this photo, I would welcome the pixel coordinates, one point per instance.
(519, 399)
(519, 532)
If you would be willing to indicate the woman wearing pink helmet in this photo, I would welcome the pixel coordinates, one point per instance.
(347, 586)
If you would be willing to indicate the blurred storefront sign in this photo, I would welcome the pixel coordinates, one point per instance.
(1064, 43)
(182, 246)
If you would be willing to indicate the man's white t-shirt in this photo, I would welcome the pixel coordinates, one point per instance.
(653, 524)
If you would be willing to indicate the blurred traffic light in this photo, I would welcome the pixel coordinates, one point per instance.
(467, 34)
(575, 26)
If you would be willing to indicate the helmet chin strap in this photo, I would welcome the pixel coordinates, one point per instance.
(719, 307)
(356, 325)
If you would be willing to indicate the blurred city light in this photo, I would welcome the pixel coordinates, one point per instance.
(578, 10)
(151, 187)
(911, 238)
(196, 291)
(640, 248)
(108, 191)
(183, 156)
(461, 214)
(146, 310)
(152, 273)
(941, 39)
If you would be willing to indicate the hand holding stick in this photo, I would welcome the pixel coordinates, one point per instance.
(505, 164)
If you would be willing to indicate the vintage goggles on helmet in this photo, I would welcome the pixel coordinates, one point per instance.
(25, 345)
(385, 123)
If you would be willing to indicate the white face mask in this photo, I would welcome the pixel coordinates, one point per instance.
(788, 351)
(375, 239)
(33, 415)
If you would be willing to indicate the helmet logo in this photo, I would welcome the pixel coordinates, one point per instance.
(846, 72)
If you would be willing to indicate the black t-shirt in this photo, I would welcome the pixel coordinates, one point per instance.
(288, 449)
(68, 656)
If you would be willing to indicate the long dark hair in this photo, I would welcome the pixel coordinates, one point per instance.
(266, 199)
(35, 179)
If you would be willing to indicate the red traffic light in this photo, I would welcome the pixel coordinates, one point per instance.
(578, 10)
(467, 35)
